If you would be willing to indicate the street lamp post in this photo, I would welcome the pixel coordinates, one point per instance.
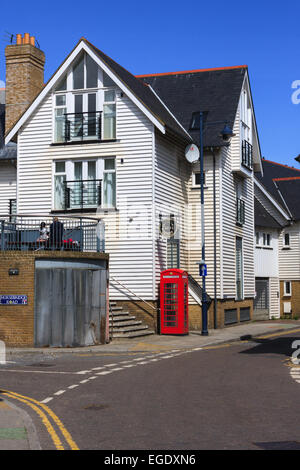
(226, 135)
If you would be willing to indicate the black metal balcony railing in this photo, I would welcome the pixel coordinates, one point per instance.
(82, 194)
(240, 211)
(82, 126)
(29, 233)
(247, 154)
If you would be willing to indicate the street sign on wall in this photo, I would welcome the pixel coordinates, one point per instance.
(13, 300)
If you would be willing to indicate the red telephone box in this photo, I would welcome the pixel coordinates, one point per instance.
(174, 302)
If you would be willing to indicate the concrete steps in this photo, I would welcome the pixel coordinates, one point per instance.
(122, 324)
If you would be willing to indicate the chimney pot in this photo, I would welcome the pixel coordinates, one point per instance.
(26, 38)
(32, 40)
(19, 39)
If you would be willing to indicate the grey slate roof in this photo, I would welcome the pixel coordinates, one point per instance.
(262, 217)
(215, 92)
(289, 189)
(142, 91)
(7, 152)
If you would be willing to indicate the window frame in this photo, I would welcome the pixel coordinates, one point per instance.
(285, 293)
(194, 184)
(70, 176)
(284, 244)
(241, 297)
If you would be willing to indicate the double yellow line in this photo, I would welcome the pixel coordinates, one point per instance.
(46, 415)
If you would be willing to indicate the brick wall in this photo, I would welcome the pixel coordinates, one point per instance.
(144, 313)
(24, 79)
(294, 298)
(17, 321)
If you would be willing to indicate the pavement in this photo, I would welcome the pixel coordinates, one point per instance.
(17, 431)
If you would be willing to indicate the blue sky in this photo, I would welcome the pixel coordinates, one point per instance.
(171, 35)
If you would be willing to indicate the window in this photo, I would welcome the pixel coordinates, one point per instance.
(60, 111)
(87, 109)
(197, 179)
(109, 115)
(109, 183)
(239, 268)
(257, 238)
(12, 210)
(59, 185)
(286, 240)
(287, 288)
(84, 184)
(266, 239)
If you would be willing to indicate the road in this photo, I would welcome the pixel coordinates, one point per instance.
(243, 395)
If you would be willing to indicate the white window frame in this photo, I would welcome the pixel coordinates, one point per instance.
(70, 93)
(283, 240)
(285, 293)
(194, 184)
(70, 172)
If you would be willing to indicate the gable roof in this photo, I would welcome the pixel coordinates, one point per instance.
(262, 217)
(213, 91)
(135, 89)
(283, 183)
(289, 189)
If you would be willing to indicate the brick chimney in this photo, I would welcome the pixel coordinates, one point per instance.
(24, 76)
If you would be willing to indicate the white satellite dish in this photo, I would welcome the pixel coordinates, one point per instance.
(192, 153)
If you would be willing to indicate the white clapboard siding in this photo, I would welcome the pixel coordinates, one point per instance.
(289, 258)
(230, 230)
(194, 227)
(274, 297)
(8, 178)
(128, 233)
(171, 196)
(266, 258)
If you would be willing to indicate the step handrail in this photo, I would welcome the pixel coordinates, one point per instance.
(133, 294)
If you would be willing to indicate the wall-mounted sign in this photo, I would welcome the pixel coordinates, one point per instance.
(13, 272)
(13, 300)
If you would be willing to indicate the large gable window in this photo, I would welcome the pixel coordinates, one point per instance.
(85, 104)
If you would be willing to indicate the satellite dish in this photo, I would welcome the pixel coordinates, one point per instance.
(192, 153)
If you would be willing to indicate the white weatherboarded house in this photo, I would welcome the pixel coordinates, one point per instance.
(98, 140)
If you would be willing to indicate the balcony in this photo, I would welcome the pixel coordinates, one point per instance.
(240, 211)
(30, 233)
(82, 194)
(247, 155)
(79, 127)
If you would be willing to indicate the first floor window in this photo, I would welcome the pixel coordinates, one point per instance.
(109, 183)
(239, 268)
(84, 184)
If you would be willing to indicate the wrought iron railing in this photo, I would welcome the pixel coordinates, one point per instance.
(247, 154)
(82, 126)
(82, 194)
(51, 233)
(240, 211)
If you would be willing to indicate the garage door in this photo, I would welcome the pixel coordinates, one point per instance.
(70, 303)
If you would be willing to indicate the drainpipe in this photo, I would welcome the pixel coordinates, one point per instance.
(215, 239)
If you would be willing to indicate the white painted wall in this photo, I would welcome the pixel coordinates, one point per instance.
(8, 179)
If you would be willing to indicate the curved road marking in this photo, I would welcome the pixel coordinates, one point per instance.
(54, 417)
(57, 442)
